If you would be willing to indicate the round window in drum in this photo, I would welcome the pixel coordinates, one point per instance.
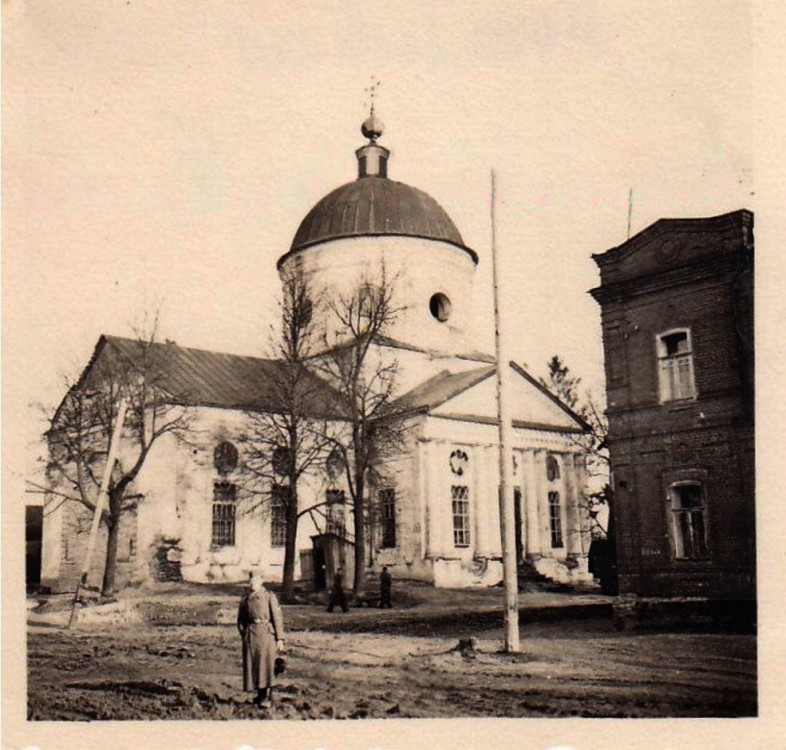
(439, 307)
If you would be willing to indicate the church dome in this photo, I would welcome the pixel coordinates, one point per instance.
(374, 205)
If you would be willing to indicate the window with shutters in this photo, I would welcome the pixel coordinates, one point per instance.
(675, 366)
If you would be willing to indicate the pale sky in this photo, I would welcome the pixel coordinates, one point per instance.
(161, 155)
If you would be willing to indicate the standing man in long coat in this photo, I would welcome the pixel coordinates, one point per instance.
(261, 627)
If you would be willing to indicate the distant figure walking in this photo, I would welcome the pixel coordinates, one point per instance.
(337, 592)
(385, 584)
(261, 626)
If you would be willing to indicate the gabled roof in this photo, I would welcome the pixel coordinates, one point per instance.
(198, 377)
(446, 385)
(439, 389)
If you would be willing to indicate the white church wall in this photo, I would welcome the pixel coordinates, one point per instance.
(479, 563)
(420, 267)
(405, 474)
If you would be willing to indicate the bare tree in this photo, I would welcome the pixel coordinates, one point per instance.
(358, 369)
(292, 433)
(598, 495)
(593, 443)
(81, 430)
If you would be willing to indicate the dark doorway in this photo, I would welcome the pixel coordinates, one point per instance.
(517, 511)
(319, 568)
(34, 526)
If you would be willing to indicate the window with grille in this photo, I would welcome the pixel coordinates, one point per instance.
(675, 366)
(334, 512)
(387, 508)
(460, 507)
(279, 499)
(689, 521)
(224, 501)
(555, 520)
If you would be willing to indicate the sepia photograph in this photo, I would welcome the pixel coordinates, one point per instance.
(372, 363)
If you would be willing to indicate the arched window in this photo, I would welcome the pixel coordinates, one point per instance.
(225, 457)
(675, 365)
(552, 468)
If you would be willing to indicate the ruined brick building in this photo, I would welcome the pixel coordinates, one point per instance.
(677, 316)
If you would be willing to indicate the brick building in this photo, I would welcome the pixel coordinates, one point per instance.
(677, 317)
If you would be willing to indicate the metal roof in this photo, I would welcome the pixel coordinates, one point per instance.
(373, 206)
(441, 388)
(198, 377)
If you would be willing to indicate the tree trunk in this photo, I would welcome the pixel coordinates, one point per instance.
(290, 544)
(359, 584)
(110, 563)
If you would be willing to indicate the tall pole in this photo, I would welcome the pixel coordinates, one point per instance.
(100, 502)
(506, 497)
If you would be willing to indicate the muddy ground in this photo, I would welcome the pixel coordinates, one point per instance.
(567, 667)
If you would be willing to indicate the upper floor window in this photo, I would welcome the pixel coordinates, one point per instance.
(552, 468)
(225, 457)
(335, 502)
(689, 521)
(675, 366)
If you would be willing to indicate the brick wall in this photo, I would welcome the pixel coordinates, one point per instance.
(704, 284)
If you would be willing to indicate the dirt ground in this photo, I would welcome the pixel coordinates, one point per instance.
(370, 664)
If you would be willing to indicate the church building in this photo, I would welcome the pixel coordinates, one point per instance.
(439, 513)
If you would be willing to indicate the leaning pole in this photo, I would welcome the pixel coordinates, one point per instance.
(506, 497)
(114, 445)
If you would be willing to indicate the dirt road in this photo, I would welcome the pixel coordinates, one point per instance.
(580, 668)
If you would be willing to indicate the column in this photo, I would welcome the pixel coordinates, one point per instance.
(482, 481)
(529, 488)
(543, 502)
(572, 525)
(423, 510)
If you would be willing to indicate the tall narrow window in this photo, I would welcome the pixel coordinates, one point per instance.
(555, 520)
(675, 366)
(224, 498)
(460, 507)
(387, 508)
(279, 499)
(334, 512)
(689, 521)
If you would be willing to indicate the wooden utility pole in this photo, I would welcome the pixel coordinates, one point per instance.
(507, 513)
(100, 502)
